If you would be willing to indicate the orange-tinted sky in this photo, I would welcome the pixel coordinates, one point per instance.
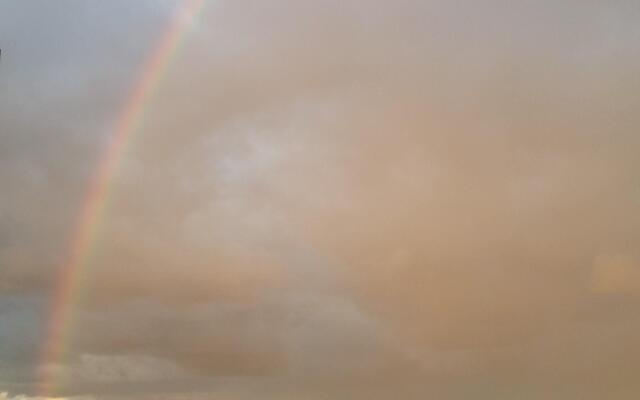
(329, 200)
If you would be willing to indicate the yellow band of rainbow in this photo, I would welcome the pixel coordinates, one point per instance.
(65, 295)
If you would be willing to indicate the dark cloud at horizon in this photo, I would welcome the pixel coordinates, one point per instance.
(337, 199)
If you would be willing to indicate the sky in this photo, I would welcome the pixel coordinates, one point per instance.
(336, 199)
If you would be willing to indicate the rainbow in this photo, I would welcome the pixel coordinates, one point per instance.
(84, 232)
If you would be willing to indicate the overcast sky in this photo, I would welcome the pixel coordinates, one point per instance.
(335, 199)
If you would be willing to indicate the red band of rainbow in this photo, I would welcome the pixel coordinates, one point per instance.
(60, 318)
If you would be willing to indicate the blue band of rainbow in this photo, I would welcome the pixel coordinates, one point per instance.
(83, 237)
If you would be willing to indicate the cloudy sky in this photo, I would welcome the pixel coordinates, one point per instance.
(340, 199)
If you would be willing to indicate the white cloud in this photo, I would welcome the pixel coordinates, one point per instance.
(6, 396)
(125, 368)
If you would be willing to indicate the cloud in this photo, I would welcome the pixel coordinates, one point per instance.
(6, 396)
(619, 273)
(123, 369)
(343, 200)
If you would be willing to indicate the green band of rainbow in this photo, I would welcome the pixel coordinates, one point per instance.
(60, 317)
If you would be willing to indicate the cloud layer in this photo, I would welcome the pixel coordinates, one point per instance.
(329, 200)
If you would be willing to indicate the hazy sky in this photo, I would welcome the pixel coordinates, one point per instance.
(329, 199)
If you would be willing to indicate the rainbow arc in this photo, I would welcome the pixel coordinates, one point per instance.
(83, 236)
